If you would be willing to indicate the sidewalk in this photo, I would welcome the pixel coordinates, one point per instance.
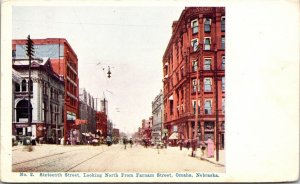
(187, 152)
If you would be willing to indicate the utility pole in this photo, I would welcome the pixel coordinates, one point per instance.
(30, 51)
(197, 97)
(217, 100)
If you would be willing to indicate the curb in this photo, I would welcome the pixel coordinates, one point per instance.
(201, 158)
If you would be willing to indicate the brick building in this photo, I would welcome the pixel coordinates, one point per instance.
(64, 63)
(194, 76)
(101, 124)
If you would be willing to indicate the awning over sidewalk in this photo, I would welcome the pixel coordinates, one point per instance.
(174, 135)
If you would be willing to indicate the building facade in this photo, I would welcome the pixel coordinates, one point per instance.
(46, 94)
(65, 64)
(101, 125)
(115, 135)
(146, 129)
(194, 76)
(157, 114)
(87, 113)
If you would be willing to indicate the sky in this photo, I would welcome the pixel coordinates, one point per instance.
(131, 40)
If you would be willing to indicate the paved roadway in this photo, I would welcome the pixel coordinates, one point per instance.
(57, 158)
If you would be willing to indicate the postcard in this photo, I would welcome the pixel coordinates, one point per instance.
(126, 91)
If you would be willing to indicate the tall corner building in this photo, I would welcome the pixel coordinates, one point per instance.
(194, 76)
(64, 62)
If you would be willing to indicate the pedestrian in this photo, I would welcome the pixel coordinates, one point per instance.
(203, 147)
(131, 143)
(188, 144)
(124, 142)
(180, 144)
(33, 142)
(210, 148)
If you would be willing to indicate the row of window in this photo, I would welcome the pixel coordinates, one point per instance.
(206, 64)
(54, 113)
(206, 43)
(71, 88)
(207, 25)
(207, 106)
(24, 86)
(207, 84)
(71, 74)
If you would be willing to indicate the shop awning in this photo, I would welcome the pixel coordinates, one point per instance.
(174, 135)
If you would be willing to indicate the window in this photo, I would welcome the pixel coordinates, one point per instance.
(223, 62)
(194, 43)
(222, 23)
(207, 107)
(171, 107)
(207, 64)
(207, 43)
(31, 85)
(195, 65)
(223, 42)
(194, 83)
(194, 106)
(207, 23)
(44, 112)
(223, 105)
(51, 93)
(17, 87)
(194, 26)
(23, 85)
(207, 84)
(223, 83)
(51, 114)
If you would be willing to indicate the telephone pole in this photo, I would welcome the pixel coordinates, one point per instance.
(30, 52)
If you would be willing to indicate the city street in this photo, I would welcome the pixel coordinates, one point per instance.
(58, 158)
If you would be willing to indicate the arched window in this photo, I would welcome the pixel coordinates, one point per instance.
(24, 85)
(22, 111)
(17, 87)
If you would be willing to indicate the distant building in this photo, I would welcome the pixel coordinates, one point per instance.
(146, 129)
(101, 124)
(116, 135)
(47, 92)
(194, 76)
(109, 129)
(87, 113)
(157, 114)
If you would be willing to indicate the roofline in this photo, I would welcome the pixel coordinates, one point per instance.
(53, 40)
